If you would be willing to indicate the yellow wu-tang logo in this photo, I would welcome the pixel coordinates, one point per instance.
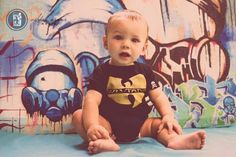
(127, 92)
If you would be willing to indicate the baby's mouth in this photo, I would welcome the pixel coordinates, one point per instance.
(124, 54)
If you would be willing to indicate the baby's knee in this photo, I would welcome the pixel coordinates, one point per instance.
(77, 117)
(155, 126)
(150, 127)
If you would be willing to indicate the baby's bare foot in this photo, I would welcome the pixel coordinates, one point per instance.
(194, 140)
(102, 145)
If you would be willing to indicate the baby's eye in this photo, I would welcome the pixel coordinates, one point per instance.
(118, 37)
(135, 40)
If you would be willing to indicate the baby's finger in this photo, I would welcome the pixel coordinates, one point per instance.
(105, 134)
(178, 129)
(161, 127)
(98, 135)
(93, 137)
(169, 127)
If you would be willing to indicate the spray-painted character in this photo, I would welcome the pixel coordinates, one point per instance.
(51, 86)
(195, 115)
(229, 108)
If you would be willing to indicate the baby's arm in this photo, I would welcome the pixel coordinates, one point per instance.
(90, 116)
(162, 104)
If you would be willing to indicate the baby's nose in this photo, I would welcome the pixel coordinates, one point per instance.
(125, 44)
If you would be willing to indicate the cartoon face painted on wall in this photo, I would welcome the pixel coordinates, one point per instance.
(51, 86)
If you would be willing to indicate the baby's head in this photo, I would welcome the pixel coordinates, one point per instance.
(126, 37)
(126, 14)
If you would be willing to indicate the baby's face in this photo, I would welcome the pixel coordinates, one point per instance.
(126, 40)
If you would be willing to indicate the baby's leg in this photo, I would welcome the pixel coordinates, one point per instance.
(78, 124)
(99, 145)
(102, 145)
(79, 127)
(195, 140)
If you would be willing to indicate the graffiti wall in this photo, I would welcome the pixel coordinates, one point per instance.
(48, 49)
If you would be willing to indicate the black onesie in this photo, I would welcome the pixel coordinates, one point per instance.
(124, 89)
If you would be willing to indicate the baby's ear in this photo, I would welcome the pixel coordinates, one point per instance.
(145, 48)
(105, 42)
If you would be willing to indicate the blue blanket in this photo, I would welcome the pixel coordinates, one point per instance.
(221, 142)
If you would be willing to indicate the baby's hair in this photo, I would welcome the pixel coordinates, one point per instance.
(129, 14)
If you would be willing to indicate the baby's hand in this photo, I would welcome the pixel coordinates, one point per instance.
(170, 123)
(97, 132)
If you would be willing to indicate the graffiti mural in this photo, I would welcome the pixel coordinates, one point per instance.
(48, 49)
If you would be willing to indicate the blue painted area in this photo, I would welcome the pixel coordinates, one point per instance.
(210, 86)
(116, 5)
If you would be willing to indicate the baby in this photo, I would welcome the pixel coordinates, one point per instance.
(114, 109)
